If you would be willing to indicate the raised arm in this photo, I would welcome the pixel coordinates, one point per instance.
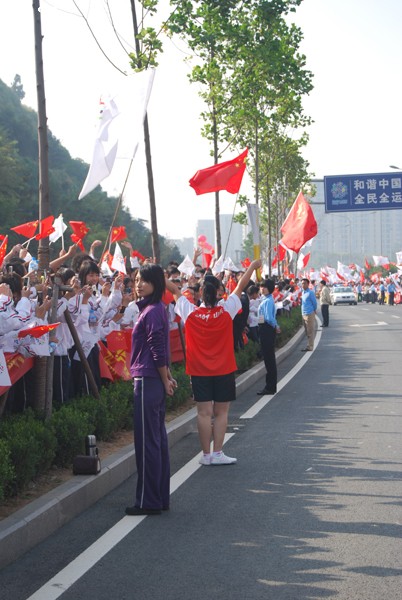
(173, 289)
(256, 264)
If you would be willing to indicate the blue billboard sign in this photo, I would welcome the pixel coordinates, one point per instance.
(371, 191)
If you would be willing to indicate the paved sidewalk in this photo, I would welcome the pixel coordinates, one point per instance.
(36, 521)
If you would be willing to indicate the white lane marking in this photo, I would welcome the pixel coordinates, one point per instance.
(61, 582)
(264, 400)
(77, 568)
(370, 324)
(395, 317)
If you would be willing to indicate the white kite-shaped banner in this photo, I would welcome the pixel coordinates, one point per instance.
(120, 128)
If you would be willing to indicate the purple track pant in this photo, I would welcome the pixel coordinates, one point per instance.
(151, 444)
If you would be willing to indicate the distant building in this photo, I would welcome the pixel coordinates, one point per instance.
(186, 246)
(350, 237)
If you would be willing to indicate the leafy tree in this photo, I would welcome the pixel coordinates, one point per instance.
(251, 74)
(17, 87)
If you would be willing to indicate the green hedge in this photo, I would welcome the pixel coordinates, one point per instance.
(29, 446)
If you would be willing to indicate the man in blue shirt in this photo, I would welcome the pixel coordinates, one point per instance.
(268, 328)
(309, 310)
(391, 293)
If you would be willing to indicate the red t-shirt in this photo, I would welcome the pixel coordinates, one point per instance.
(209, 342)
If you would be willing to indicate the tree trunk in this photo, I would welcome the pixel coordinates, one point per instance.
(41, 384)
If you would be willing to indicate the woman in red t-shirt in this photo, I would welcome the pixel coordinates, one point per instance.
(210, 359)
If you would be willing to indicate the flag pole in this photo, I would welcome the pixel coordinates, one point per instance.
(118, 206)
(231, 223)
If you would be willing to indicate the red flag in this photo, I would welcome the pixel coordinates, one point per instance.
(79, 228)
(17, 366)
(368, 266)
(118, 340)
(118, 233)
(300, 224)
(45, 228)
(246, 263)
(223, 176)
(26, 229)
(136, 254)
(37, 331)
(77, 240)
(3, 249)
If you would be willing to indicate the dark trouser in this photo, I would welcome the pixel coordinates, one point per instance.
(61, 380)
(151, 444)
(267, 339)
(325, 314)
(79, 380)
(382, 298)
(391, 296)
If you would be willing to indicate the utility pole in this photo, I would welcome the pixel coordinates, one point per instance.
(42, 373)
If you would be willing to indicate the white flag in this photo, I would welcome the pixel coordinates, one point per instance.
(122, 117)
(218, 266)
(187, 266)
(253, 220)
(381, 261)
(118, 263)
(229, 265)
(59, 229)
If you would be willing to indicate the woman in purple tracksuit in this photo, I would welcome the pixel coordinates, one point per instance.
(152, 382)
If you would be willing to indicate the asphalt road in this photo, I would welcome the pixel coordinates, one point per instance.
(311, 510)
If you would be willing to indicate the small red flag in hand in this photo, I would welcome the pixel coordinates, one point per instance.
(26, 229)
(3, 249)
(45, 228)
(79, 228)
(118, 233)
(223, 176)
(37, 331)
(77, 240)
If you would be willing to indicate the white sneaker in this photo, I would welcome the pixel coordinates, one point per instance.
(205, 460)
(222, 459)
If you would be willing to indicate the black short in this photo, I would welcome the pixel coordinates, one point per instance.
(216, 388)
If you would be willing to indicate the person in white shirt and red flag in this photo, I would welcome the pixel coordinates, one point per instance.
(210, 359)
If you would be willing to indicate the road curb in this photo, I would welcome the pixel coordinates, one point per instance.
(37, 520)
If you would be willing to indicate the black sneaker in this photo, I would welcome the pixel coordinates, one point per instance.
(265, 392)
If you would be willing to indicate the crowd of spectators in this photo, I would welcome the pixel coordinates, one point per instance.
(100, 301)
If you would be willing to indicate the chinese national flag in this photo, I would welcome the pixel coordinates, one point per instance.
(3, 249)
(45, 228)
(300, 225)
(77, 240)
(79, 228)
(37, 331)
(246, 263)
(368, 266)
(223, 176)
(119, 340)
(119, 344)
(26, 229)
(118, 233)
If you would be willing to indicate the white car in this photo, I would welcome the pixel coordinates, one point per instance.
(343, 295)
